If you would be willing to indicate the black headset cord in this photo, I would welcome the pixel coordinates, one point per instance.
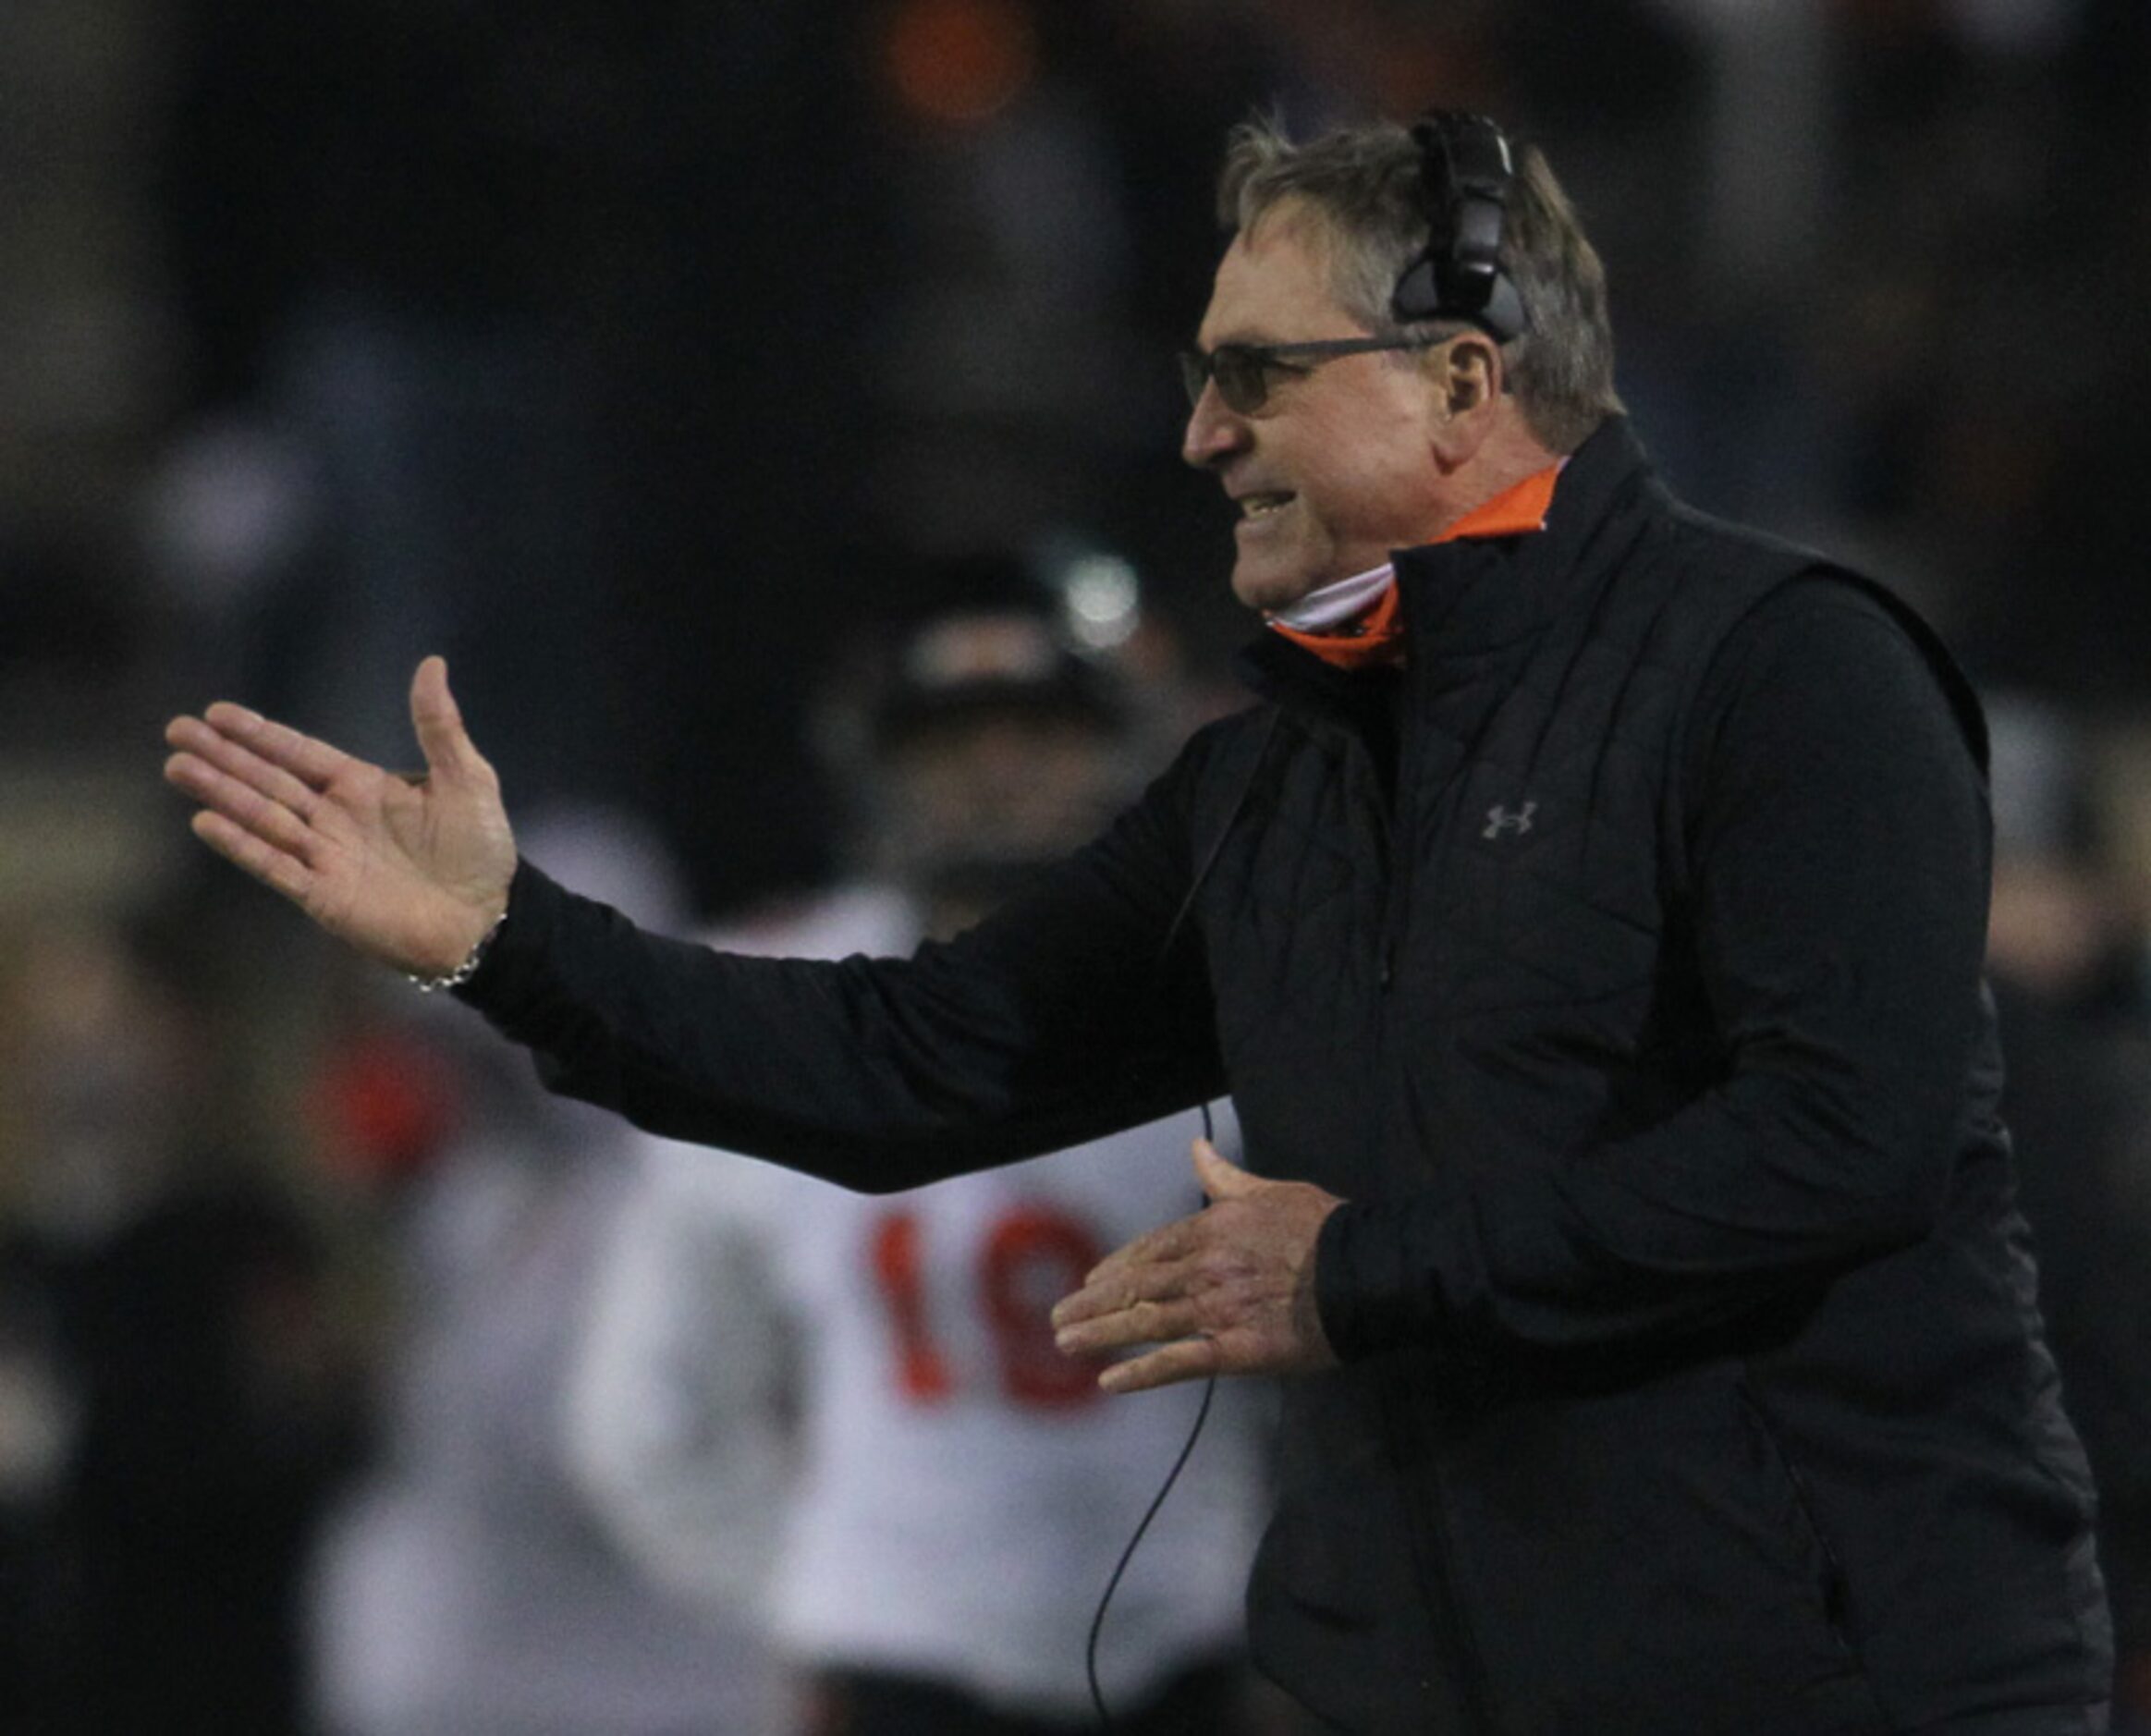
(1172, 1477)
(1142, 1526)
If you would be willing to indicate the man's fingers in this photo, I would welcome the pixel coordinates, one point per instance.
(271, 822)
(273, 867)
(1166, 1243)
(1173, 1242)
(438, 720)
(242, 804)
(1088, 1303)
(1221, 1178)
(314, 763)
(224, 756)
(1116, 1284)
(1189, 1359)
(1149, 1320)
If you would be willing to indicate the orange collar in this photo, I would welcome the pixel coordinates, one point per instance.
(1376, 635)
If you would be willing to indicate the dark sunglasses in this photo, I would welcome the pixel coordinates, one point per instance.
(1244, 372)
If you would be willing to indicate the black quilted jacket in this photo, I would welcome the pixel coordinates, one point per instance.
(1618, 964)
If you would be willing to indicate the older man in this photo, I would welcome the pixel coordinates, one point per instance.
(1587, 922)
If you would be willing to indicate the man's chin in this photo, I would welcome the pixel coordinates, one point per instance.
(1267, 590)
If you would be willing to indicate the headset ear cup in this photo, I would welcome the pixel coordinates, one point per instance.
(1418, 294)
(1503, 317)
(1465, 172)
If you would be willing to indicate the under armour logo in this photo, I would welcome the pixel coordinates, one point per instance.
(1500, 820)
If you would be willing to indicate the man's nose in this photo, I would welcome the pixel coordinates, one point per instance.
(1213, 432)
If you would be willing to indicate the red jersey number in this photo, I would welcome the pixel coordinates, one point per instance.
(1030, 1258)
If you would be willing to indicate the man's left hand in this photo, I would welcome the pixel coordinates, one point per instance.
(1228, 1291)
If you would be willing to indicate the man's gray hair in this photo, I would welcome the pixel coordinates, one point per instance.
(1364, 186)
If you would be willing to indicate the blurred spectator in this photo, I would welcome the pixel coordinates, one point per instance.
(464, 1586)
(175, 1403)
(1011, 375)
(1990, 187)
(963, 1490)
(376, 211)
(512, 337)
(2065, 959)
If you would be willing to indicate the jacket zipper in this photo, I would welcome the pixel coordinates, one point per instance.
(1399, 861)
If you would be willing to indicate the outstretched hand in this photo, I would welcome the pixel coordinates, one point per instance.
(1228, 1291)
(411, 871)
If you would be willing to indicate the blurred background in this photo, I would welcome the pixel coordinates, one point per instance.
(650, 360)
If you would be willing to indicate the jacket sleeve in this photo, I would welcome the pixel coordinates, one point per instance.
(1837, 846)
(1057, 1020)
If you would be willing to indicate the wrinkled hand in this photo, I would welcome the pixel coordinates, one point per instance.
(413, 872)
(1228, 1291)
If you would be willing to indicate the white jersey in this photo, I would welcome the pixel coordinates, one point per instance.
(964, 1490)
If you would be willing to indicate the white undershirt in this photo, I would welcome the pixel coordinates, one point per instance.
(1337, 602)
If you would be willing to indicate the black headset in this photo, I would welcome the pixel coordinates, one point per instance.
(1465, 172)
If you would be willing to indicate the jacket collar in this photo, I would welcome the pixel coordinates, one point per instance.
(1465, 600)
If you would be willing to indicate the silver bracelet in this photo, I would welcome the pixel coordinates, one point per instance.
(463, 973)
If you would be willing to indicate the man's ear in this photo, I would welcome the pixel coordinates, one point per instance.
(1468, 373)
(1464, 381)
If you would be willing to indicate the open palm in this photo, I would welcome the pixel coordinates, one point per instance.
(412, 871)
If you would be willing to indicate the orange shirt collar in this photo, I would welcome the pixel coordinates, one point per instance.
(1377, 636)
(1515, 511)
